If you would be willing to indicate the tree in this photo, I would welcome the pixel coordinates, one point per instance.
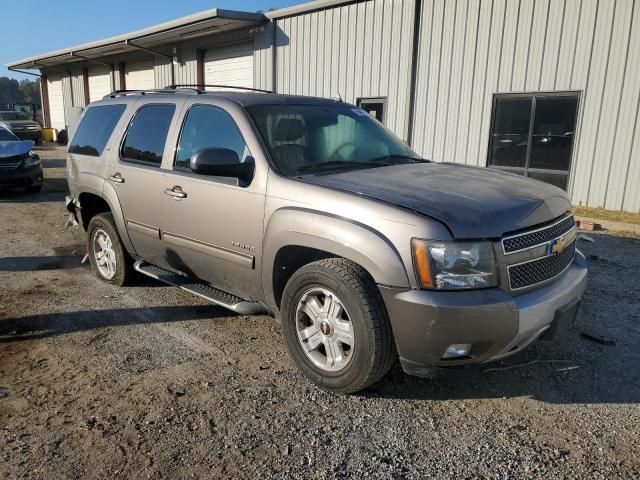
(31, 91)
(10, 91)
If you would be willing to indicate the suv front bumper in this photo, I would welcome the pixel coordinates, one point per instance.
(20, 177)
(493, 321)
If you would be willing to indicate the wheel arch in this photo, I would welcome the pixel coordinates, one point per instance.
(295, 237)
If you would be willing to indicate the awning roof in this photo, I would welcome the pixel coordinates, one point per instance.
(192, 26)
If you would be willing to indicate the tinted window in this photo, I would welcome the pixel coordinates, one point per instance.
(533, 135)
(95, 128)
(147, 134)
(208, 127)
(510, 134)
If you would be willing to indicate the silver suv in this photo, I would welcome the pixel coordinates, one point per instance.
(310, 210)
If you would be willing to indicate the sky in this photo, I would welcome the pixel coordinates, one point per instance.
(38, 27)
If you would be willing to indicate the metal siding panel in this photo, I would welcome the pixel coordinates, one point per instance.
(522, 49)
(623, 189)
(404, 67)
(612, 95)
(422, 79)
(537, 45)
(480, 107)
(511, 24)
(594, 101)
(361, 48)
(394, 105)
(468, 80)
(99, 82)
(434, 78)
(567, 47)
(443, 90)
(313, 54)
(551, 52)
(377, 47)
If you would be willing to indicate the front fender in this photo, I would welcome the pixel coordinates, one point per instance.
(336, 235)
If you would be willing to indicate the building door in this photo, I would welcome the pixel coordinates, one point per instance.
(99, 83)
(56, 102)
(140, 75)
(533, 134)
(230, 65)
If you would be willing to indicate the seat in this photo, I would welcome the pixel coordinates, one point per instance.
(290, 156)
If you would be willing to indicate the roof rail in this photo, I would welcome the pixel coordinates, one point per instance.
(201, 88)
(115, 93)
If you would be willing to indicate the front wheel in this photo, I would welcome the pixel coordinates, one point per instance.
(109, 260)
(336, 326)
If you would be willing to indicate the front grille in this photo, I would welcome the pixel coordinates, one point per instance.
(536, 271)
(525, 240)
(11, 163)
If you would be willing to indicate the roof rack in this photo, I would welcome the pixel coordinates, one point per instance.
(144, 92)
(201, 88)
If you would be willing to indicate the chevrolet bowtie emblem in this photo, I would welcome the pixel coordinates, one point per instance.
(558, 245)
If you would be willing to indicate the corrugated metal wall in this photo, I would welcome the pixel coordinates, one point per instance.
(472, 49)
(357, 50)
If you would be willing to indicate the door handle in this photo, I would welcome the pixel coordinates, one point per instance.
(175, 192)
(116, 178)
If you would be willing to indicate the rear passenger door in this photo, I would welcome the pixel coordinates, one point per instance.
(136, 174)
(213, 229)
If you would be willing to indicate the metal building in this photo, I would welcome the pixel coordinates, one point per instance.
(544, 88)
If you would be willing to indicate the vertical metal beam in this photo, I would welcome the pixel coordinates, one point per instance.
(417, 22)
(85, 82)
(123, 77)
(44, 93)
(200, 67)
(274, 58)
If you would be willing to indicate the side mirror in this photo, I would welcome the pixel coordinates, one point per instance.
(222, 162)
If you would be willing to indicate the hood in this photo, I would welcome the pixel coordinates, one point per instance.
(472, 202)
(11, 149)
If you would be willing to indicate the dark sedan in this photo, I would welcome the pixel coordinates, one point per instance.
(19, 166)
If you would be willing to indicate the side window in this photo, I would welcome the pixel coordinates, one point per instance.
(95, 128)
(207, 127)
(147, 134)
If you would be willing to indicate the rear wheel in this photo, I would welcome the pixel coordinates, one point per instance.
(336, 325)
(109, 260)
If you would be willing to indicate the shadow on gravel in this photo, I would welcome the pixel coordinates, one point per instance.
(53, 190)
(54, 324)
(28, 264)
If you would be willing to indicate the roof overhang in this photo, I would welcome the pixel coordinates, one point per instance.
(197, 25)
(307, 7)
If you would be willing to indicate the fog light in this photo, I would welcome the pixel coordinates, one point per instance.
(457, 350)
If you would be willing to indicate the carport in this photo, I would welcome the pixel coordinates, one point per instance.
(211, 46)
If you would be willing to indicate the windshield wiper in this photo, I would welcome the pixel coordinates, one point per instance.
(333, 165)
(398, 156)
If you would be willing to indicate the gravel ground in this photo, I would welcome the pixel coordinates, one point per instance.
(150, 382)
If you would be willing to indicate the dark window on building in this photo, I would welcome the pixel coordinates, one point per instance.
(208, 127)
(95, 128)
(147, 134)
(533, 135)
(374, 107)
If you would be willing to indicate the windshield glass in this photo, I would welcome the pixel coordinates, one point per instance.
(7, 136)
(8, 116)
(319, 139)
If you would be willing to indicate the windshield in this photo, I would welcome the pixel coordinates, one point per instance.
(8, 116)
(320, 139)
(7, 136)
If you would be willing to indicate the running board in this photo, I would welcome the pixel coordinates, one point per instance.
(224, 299)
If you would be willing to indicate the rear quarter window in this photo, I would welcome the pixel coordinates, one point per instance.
(95, 128)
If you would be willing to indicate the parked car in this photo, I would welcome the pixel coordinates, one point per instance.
(21, 125)
(310, 210)
(19, 166)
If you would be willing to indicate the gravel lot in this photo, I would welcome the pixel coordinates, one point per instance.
(150, 382)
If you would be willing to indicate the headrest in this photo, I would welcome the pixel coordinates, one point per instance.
(289, 129)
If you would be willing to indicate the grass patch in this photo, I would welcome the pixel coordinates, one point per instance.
(611, 215)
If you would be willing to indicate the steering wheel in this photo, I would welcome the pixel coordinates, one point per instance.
(336, 155)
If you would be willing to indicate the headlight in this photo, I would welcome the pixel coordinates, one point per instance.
(454, 265)
(31, 160)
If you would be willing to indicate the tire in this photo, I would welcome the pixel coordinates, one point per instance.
(117, 268)
(372, 353)
(33, 189)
